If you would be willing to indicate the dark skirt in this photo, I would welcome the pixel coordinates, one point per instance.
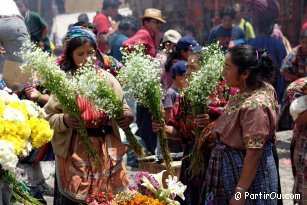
(194, 184)
(299, 161)
(225, 167)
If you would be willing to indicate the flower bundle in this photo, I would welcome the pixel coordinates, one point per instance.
(154, 192)
(100, 199)
(59, 84)
(141, 76)
(93, 85)
(201, 86)
(16, 124)
(18, 135)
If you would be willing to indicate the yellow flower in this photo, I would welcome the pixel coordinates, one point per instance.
(41, 132)
(2, 107)
(21, 107)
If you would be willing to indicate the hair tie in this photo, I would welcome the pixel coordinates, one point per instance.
(257, 55)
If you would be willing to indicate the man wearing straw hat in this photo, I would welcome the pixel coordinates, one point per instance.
(152, 21)
(146, 35)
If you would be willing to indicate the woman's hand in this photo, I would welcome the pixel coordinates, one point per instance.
(31, 93)
(156, 127)
(124, 121)
(202, 120)
(71, 122)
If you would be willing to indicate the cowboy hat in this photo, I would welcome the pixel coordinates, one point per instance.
(153, 14)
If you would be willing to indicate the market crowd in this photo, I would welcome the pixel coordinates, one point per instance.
(262, 90)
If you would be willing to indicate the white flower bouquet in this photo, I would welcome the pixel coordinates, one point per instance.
(202, 85)
(141, 76)
(92, 85)
(59, 84)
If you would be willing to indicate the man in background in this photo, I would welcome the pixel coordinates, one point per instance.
(13, 32)
(103, 24)
(242, 22)
(36, 25)
(226, 31)
(127, 28)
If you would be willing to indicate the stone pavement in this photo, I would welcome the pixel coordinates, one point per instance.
(283, 149)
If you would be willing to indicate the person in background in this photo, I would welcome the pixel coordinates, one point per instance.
(103, 24)
(242, 22)
(226, 31)
(13, 32)
(277, 33)
(146, 35)
(169, 41)
(242, 159)
(74, 181)
(36, 25)
(83, 18)
(183, 49)
(127, 28)
(172, 93)
(298, 109)
(294, 66)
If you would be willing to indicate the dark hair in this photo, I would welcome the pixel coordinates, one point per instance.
(227, 11)
(86, 25)
(128, 23)
(72, 45)
(259, 63)
(146, 19)
(176, 54)
(83, 18)
(110, 4)
(24, 2)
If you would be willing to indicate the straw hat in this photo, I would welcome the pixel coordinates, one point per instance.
(154, 14)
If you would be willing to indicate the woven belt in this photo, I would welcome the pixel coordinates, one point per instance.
(10, 16)
(99, 132)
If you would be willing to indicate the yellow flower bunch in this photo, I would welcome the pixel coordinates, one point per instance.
(41, 132)
(21, 125)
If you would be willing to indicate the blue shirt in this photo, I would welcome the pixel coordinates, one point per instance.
(224, 36)
(277, 52)
(115, 44)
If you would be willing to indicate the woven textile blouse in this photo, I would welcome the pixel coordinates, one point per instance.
(249, 119)
(296, 62)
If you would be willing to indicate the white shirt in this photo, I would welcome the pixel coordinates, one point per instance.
(8, 8)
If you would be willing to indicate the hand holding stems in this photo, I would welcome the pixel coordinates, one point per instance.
(202, 120)
(71, 122)
(124, 121)
(31, 93)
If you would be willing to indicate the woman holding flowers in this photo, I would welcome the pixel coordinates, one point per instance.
(242, 159)
(181, 125)
(78, 177)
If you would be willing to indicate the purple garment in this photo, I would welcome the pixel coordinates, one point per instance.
(263, 9)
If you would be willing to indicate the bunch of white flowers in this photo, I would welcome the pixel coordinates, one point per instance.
(174, 188)
(59, 84)
(5, 97)
(92, 83)
(34, 110)
(202, 85)
(8, 158)
(141, 76)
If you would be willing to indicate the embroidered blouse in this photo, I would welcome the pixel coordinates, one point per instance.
(249, 120)
(295, 62)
